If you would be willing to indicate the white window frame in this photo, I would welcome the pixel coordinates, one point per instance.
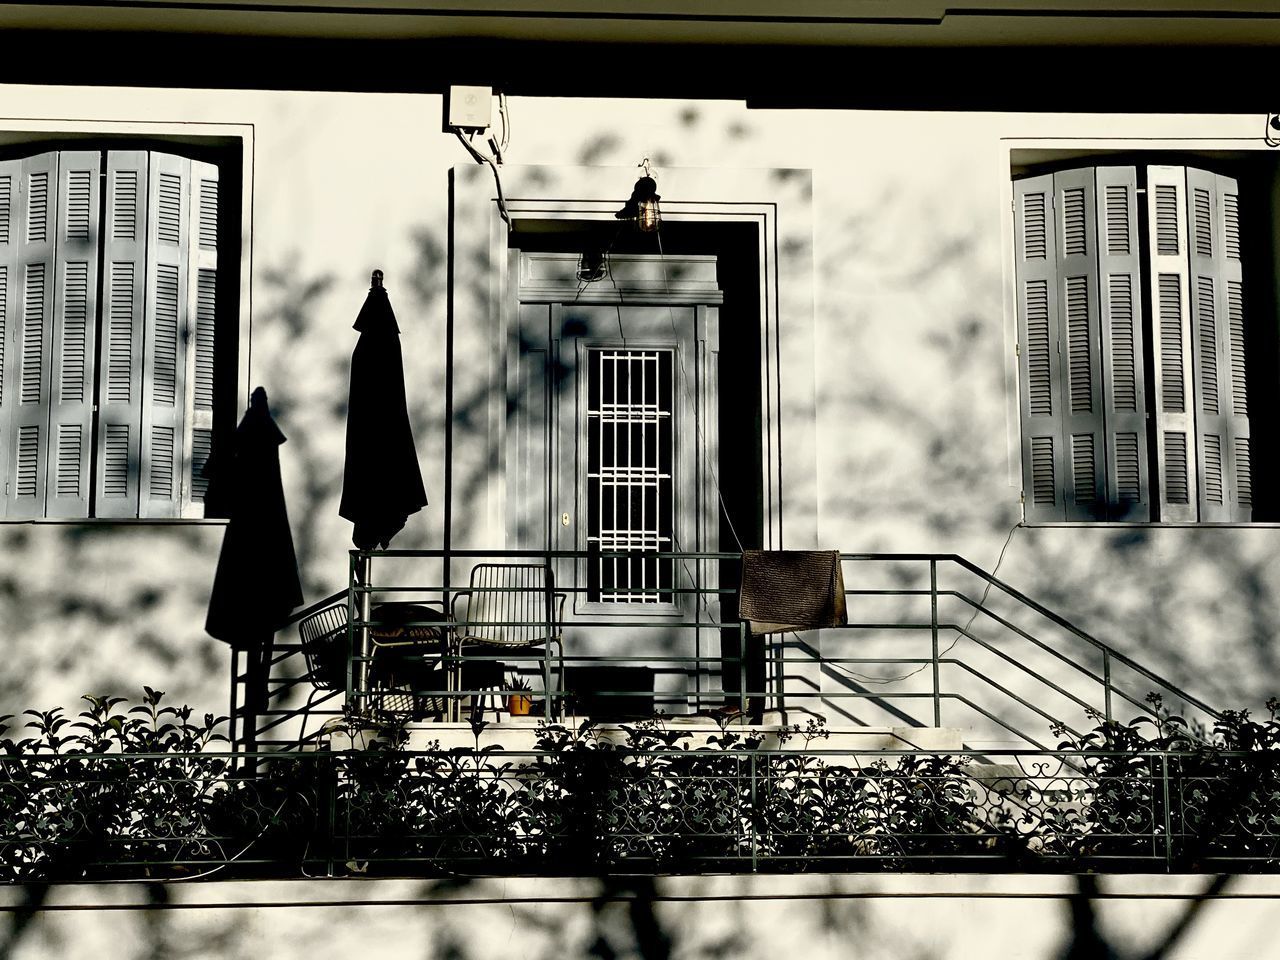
(160, 136)
(1146, 135)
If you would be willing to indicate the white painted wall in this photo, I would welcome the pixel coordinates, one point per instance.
(912, 352)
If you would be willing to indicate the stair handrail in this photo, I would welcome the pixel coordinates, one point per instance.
(1067, 625)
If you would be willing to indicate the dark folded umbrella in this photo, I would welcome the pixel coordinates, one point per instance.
(256, 586)
(381, 483)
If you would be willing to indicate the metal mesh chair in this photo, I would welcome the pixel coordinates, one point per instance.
(324, 646)
(393, 676)
(511, 606)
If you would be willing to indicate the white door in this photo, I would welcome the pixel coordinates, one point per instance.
(612, 448)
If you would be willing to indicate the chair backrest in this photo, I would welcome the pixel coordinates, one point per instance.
(510, 604)
(324, 644)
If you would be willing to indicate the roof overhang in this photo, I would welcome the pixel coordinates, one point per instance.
(789, 22)
(1121, 55)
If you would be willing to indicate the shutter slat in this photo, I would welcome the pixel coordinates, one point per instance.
(1211, 272)
(1173, 385)
(1177, 469)
(1167, 219)
(1239, 369)
(32, 318)
(1039, 370)
(202, 274)
(119, 450)
(4, 327)
(75, 292)
(1244, 472)
(1080, 345)
(10, 177)
(1233, 342)
(1173, 423)
(1124, 387)
(1130, 469)
(165, 333)
(1206, 347)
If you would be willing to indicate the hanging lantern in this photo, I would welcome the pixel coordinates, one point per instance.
(649, 214)
(642, 206)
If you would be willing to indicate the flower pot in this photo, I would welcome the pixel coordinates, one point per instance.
(519, 704)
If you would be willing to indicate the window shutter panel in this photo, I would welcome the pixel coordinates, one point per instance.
(1174, 425)
(75, 311)
(202, 284)
(10, 177)
(1234, 345)
(1084, 443)
(1210, 346)
(1039, 374)
(120, 365)
(35, 226)
(1123, 380)
(165, 326)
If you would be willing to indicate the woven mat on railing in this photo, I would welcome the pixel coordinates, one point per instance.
(785, 590)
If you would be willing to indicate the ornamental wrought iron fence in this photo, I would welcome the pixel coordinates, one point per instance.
(638, 799)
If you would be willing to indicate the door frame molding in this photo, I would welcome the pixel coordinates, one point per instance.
(778, 202)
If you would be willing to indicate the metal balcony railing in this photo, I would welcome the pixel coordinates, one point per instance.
(650, 804)
(353, 777)
(932, 641)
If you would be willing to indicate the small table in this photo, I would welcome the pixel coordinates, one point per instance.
(407, 632)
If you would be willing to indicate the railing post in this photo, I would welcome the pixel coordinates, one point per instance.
(755, 818)
(1106, 681)
(1168, 815)
(742, 670)
(233, 717)
(329, 777)
(358, 653)
(933, 622)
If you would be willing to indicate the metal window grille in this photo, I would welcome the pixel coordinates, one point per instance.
(630, 459)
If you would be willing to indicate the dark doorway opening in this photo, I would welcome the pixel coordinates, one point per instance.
(739, 464)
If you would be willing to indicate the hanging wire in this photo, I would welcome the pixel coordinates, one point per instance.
(961, 633)
(506, 120)
(684, 380)
(497, 178)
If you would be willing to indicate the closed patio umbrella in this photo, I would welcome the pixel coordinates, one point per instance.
(381, 482)
(256, 586)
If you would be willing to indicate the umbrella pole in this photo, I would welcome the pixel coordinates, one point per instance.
(363, 564)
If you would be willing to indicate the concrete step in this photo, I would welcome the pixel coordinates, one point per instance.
(521, 733)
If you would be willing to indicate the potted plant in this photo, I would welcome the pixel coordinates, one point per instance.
(519, 696)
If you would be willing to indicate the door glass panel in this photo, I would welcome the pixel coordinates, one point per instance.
(630, 454)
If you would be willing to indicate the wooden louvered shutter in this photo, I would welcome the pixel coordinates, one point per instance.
(1174, 423)
(1039, 373)
(164, 352)
(75, 311)
(10, 177)
(202, 314)
(1123, 369)
(1235, 343)
(1084, 443)
(33, 285)
(1218, 325)
(120, 353)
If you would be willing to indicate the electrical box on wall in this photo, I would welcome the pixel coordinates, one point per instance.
(468, 108)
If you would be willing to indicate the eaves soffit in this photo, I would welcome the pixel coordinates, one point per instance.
(789, 22)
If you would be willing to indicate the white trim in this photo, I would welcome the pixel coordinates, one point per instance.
(778, 202)
(1089, 148)
(15, 131)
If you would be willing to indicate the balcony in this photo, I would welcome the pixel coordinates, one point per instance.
(953, 725)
